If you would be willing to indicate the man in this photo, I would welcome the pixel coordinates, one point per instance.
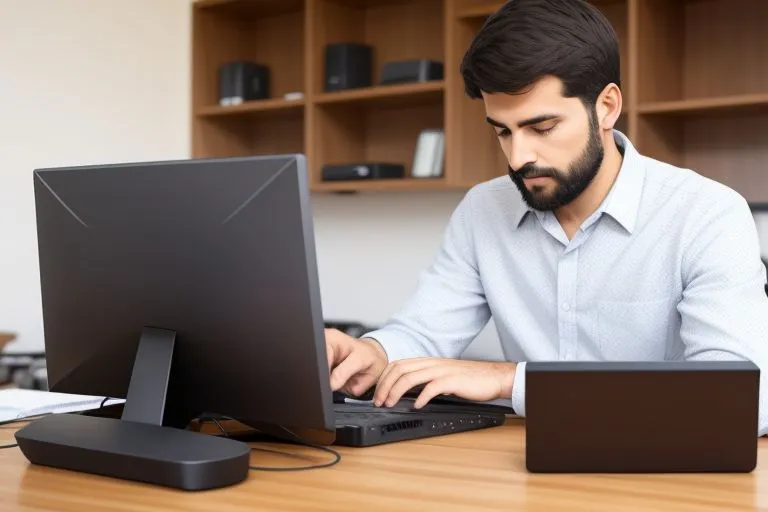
(612, 255)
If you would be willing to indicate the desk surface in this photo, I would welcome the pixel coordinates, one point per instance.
(481, 470)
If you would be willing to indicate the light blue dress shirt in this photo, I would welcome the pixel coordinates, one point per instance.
(667, 268)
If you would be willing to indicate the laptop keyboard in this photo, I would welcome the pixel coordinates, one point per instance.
(362, 413)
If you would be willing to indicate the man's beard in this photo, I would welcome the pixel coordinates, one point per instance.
(568, 186)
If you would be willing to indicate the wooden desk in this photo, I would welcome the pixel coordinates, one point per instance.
(482, 470)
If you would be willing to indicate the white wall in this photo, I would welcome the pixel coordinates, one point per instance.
(96, 81)
(81, 81)
(371, 249)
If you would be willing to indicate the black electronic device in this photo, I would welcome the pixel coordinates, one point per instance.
(649, 417)
(348, 66)
(242, 81)
(186, 287)
(363, 171)
(411, 71)
(190, 288)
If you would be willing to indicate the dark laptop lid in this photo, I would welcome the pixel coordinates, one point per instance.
(641, 416)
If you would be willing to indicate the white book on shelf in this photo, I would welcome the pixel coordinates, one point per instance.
(428, 157)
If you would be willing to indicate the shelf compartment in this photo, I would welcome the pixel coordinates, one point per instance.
(680, 44)
(396, 31)
(395, 95)
(347, 134)
(729, 148)
(227, 136)
(222, 34)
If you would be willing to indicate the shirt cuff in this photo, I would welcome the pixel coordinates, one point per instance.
(518, 390)
(396, 346)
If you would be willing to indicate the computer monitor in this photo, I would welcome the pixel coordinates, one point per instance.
(187, 288)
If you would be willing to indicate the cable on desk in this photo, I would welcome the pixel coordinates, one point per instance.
(297, 439)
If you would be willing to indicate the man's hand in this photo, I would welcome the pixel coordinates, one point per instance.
(471, 380)
(354, 364)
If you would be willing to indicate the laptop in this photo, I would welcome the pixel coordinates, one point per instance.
(360, 423)
(650, 417)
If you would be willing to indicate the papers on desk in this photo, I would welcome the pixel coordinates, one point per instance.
(16, 404)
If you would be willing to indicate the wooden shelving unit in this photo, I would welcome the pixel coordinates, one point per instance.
(694, 80)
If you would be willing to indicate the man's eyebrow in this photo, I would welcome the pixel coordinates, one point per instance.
(526, 122)
(537, 120)
(495, 123)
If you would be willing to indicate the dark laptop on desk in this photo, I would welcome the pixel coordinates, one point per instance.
(191, 288)
(650, 417)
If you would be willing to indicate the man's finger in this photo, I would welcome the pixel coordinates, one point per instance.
(352, 365)
(394, 371)
(408, 381)
(439, 386)
(359, 384)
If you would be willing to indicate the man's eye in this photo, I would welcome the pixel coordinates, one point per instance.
(503, 133)
(544, 131)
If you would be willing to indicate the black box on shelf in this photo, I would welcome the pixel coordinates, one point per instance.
(411, 71)
(348, 66)
(242, 81)
(363, 171)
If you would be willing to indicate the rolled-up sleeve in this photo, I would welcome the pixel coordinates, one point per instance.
(724, 307)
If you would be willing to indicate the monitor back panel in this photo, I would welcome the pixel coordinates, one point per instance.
(641, 417)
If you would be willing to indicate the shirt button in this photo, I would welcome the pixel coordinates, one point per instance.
(566, 306)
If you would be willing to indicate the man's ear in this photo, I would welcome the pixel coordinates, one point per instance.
(608, 106)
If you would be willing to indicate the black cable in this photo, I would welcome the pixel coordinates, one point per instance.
(297, 439)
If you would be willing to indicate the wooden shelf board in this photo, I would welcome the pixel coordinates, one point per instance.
(484, 8)
(384, 185)
(276, 106)
(251, 8)
(481, 10)
(398, 94)
(370, 4)
(724, 104)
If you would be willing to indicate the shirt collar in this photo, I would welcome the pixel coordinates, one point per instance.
(623, 200)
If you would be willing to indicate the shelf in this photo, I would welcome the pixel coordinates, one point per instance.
(251, 8)
(484, 8)
(386, 185)
(387, 95)
(371, 4)
(258, 107)
(727, 104)
(478, 9)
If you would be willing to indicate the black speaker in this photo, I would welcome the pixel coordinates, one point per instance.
(348, 66)
(241, 81)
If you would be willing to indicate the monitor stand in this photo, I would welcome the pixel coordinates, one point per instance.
(137, 446)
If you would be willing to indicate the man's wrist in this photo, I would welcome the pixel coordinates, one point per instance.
(379, 350)
(506, 378)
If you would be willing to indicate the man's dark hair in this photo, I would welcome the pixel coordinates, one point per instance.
(526, 40)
